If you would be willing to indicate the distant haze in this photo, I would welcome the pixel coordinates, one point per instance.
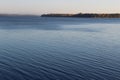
(39, 7)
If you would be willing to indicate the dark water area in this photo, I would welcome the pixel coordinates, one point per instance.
(35, 48)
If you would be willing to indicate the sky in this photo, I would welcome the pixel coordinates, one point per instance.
(59, 6)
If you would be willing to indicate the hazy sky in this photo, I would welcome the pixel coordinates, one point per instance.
(59, 6)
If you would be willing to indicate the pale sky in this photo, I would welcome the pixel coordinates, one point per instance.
(59, 6)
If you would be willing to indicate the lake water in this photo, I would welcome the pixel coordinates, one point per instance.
(34, 48)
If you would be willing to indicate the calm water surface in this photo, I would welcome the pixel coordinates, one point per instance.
(34, 48)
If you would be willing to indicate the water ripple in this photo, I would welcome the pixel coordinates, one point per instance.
(86, 50)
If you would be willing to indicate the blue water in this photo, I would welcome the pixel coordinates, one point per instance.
(34, 48)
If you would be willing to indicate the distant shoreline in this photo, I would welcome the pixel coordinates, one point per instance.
(80, 15)
(86, 15)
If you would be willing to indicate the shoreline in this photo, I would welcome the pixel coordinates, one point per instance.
(80, 15)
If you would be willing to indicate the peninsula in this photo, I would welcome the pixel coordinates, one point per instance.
(81, 15)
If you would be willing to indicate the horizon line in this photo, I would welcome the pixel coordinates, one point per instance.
(20, 14)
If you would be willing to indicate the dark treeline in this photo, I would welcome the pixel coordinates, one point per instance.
(83, 15)
(87, 15)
